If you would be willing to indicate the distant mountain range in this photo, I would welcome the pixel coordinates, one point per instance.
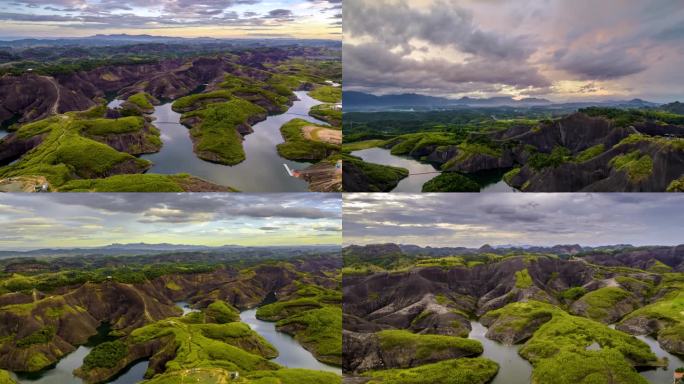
(364, 101)
(413, 250)
(125, 39)
(145, 248)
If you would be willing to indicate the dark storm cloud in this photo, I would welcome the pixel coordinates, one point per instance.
(442, 24)
(384, 62)
(372, 65)
(280, 14)
(600, 64)
(629, 48)
(545, 219)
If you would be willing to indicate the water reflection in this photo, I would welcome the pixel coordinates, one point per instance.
(262, 171)
(291, 353)
(513, 369)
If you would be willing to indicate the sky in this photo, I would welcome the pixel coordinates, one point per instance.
(544, 219)
(86, 220)
(181, 18)
(562, 50)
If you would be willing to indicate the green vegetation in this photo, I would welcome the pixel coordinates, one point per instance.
(572, 294)
(66, 155)
(220, 375)
(293, 376)
(298, 148)
(221, 312)
(378, 178)
(105, 355)
(40, 336)
(676, 185)
(663, 143)
(37, 361)
(559, 347)
(460, 122)
(627, 117)
(604, 366)
(319, 330)
(101, 127)
(205, 98)
(523, 279)
(134, 183)
(519, 316)
(425, 346)
(456, 371)
(232, 346)
(361, 145)
(451, 182)
(590, 153)
(408, 144)
(215, 136)
(328, 113)
(510, 175)
(327, 94)
(558, 156)
(563, 341)
(5, 377)
(143, 100)
(313, 315)
(668, 312)
(637, 166)
(601, 301)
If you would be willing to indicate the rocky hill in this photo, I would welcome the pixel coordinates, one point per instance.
(523, 298)
(45, 316)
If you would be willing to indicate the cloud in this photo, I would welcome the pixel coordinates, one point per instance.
(600, 64)
(544, 219)
(477, 48)
(280, 14)
(434, 49)
(199, 218)
(120, 14)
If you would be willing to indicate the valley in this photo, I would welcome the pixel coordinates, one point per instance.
(559, 314)
(629, 147)
(247, 315)
(172, 123)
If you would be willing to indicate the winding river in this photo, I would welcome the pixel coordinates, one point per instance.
(421, 173)
(290, 353)
(513, 369)
(62, 372)
(418, 171)
(262, 170)
(660, 375)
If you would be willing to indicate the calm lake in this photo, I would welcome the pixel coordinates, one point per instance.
(413, 183)
(421, 173)
(291, 353)
(62, 372)
(263, 169)
(660, 375)
(513, 369)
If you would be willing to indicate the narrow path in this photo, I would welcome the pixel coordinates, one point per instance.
(54, 110)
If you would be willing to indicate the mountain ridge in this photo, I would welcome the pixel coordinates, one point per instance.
(360, 100)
